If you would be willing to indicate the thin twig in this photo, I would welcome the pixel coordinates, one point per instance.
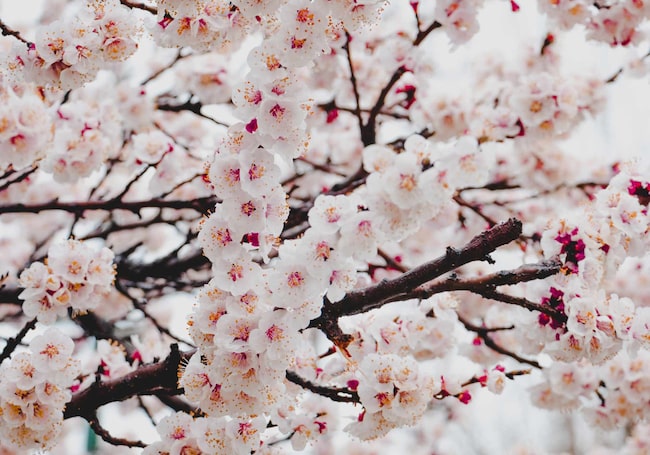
(483, 334)
(333, 393)
(179, 56)
(110, 439)
(353, 81)
(485, 286)
(368, 131)
(151, 379)
(13, 342)
(424, 33)
(20, 178)
(6, 31)
(141, 6)
(200, 205)
(375, 296)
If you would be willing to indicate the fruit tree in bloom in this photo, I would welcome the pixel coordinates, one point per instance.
(365, 226)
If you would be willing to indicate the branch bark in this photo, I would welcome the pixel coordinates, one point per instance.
(478, 249)
(153, 379)
(201, 205)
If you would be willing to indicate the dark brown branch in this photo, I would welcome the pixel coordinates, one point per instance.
(178, 404)
(476, 380)
(141, 6)
(615, 76)
(485, 286)
(6, 31)
(355, 180)
(9, 296)
(474, 208)
(160, 379)
(368, 131)
(110, 439)
(333, 393)
(524, 303)
(17, 179)
(166, 267)
(483, 334)
(12, 343)
(152, 379)
(188, 106)
(353, 81)
(101, 329)
(424, 33)
(143, 406)
(478, 249)
(179, 56)
(332, 105)
(392, 263)
(524, 273)
(508, 374)
(201, 205)
(142, 307)
(321, 167)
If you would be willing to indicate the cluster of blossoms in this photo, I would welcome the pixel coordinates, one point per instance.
(610, 396)
(615, 22)
(426, 330)
(395, 388)
(458, 18)
(394, 392)
(203, 25)
(404, 189)
(25, 128)
(597, 339)
(69, 141)
(404, 363)
(625, 205)
(593, 324)
(617, 225)
(180, 433)
(546, 105)
(248, 317)
(85, 137)
(75, 276)
(69, 52)
(35, 388)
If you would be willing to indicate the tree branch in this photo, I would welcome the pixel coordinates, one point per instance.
(368, 131)
(485, 286)
(422, 34)
(483, 334)
(153, 379)
(333, 393)
(6, 31)
(110, 439)
(477, 249)
(201, 205)
(143, 7)
(12, 343)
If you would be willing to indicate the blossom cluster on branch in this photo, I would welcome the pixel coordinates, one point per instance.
(364, 247)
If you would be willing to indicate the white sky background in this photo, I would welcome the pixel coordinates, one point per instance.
(622, 131)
